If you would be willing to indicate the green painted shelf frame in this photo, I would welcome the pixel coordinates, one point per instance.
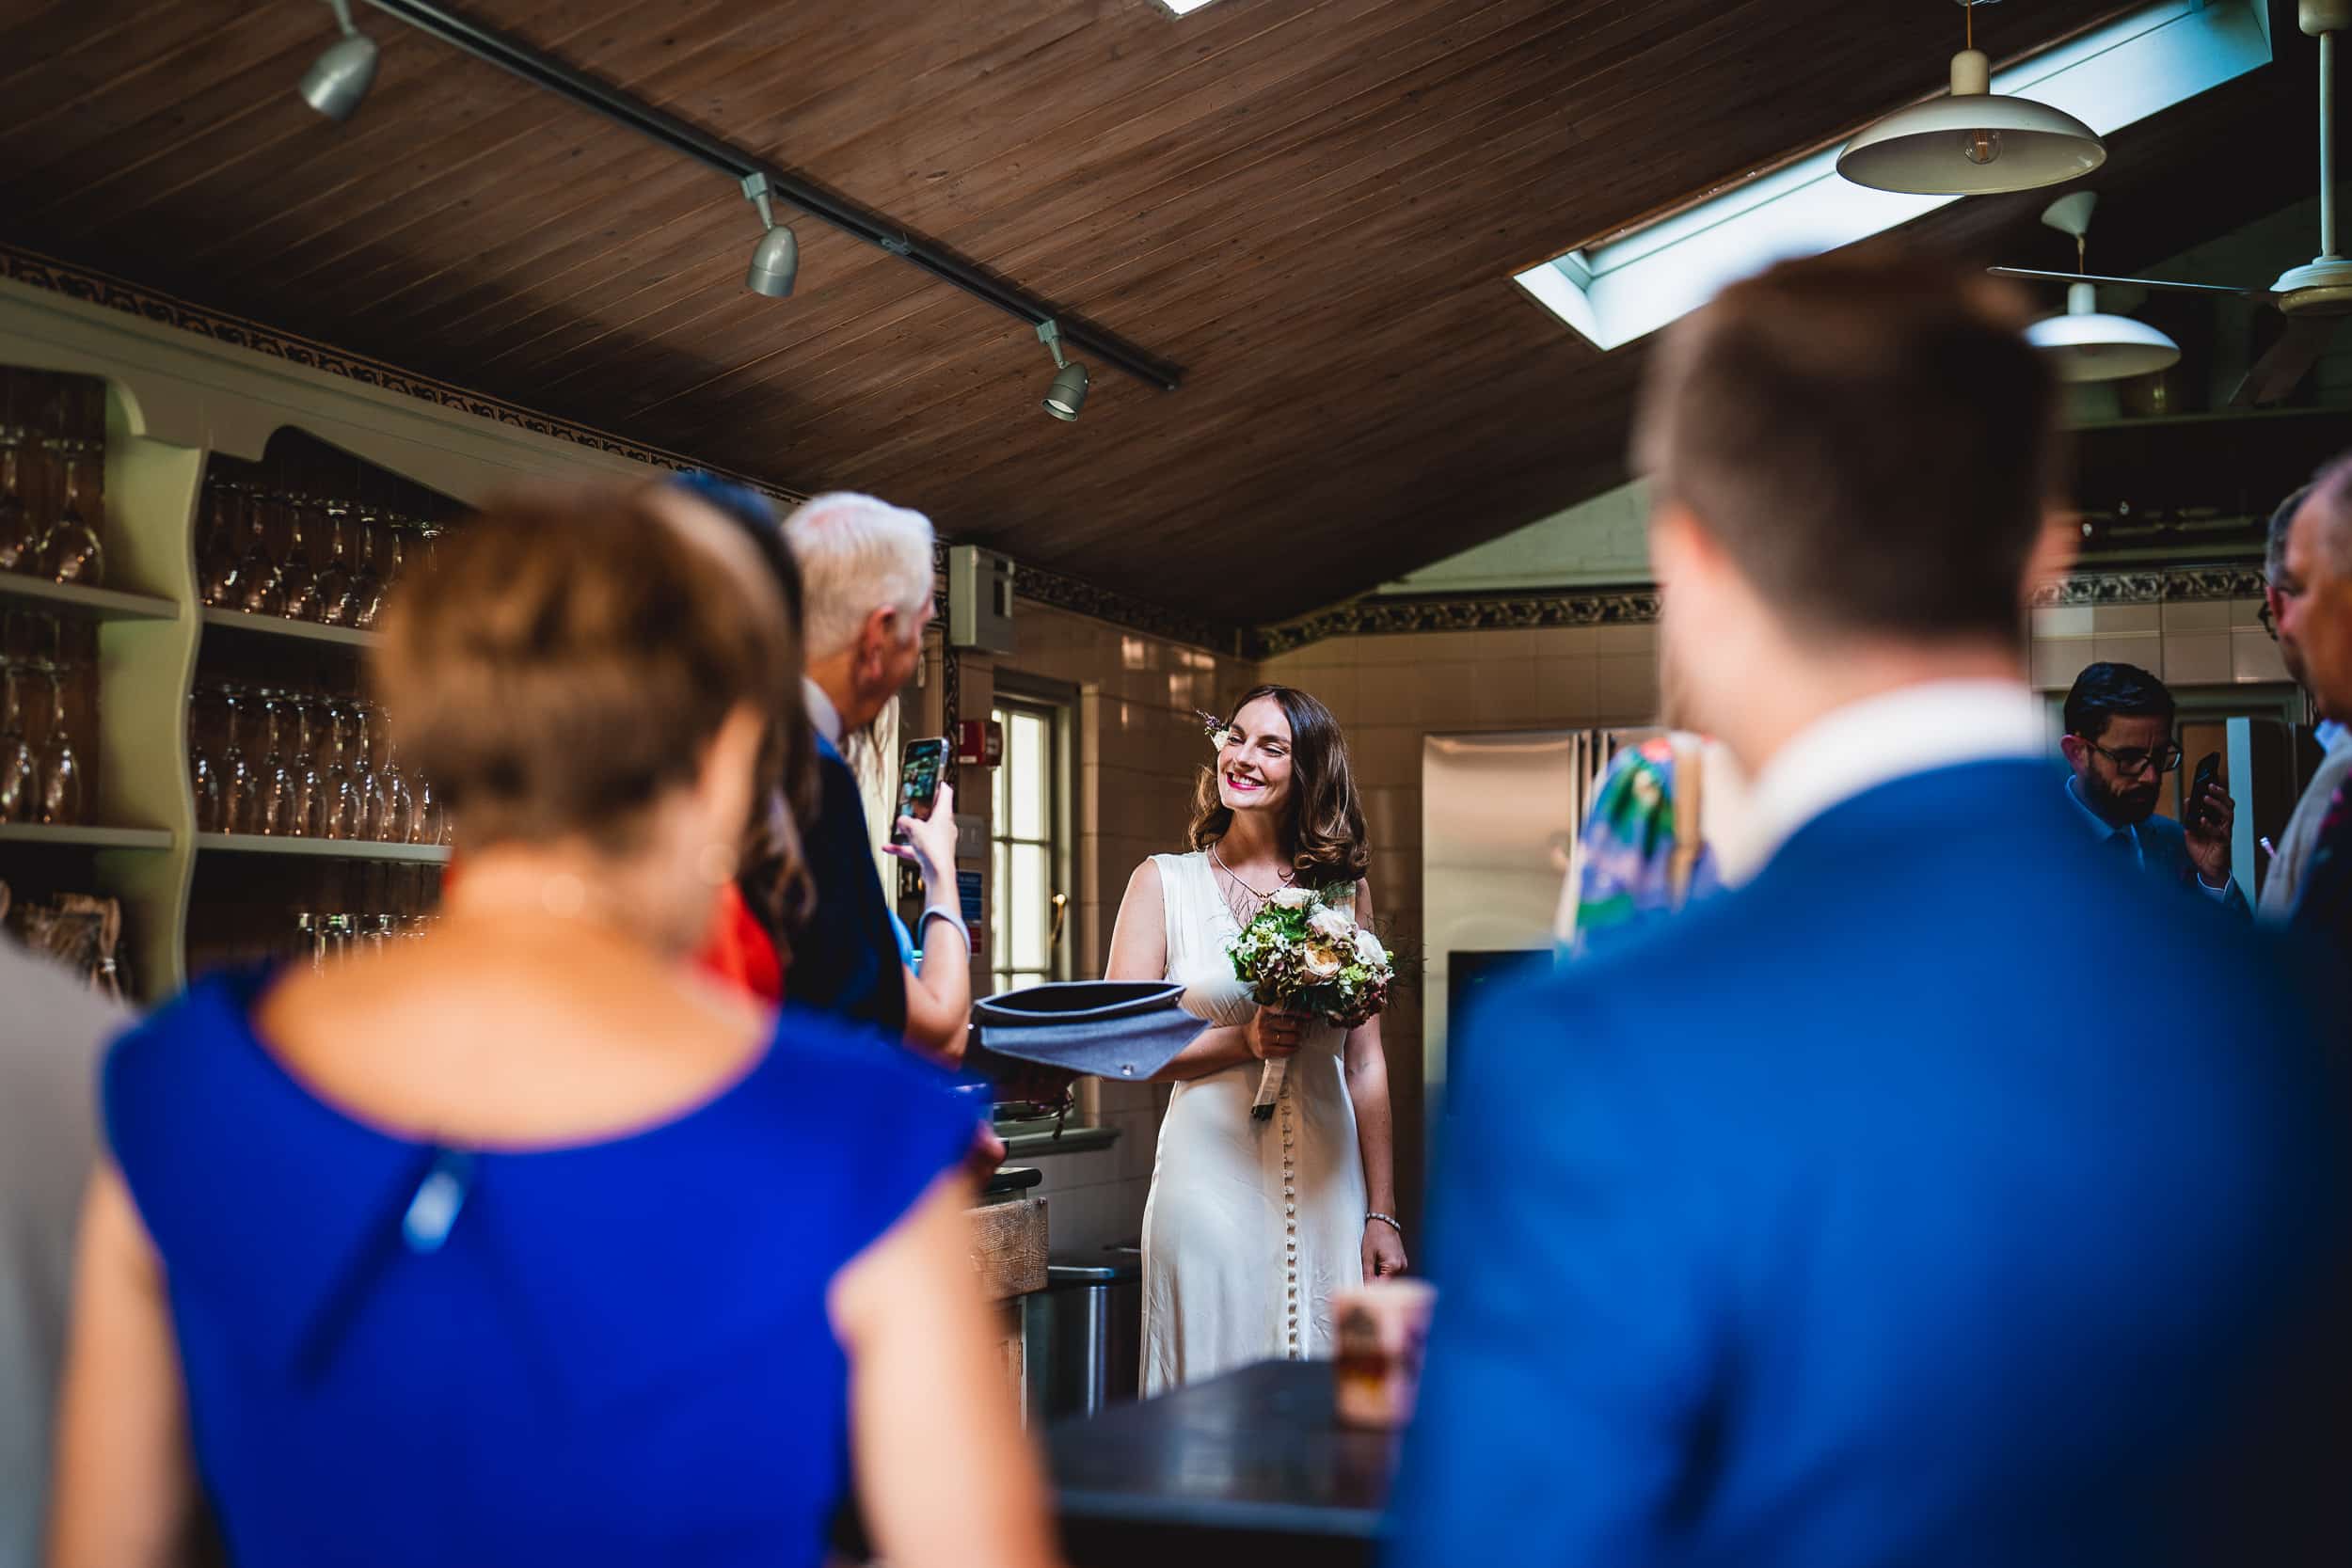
(173, 399)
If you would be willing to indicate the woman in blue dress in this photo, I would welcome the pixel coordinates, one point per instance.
(521, 1243)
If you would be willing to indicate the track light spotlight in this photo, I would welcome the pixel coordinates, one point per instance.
(339, 77)
(1068, 393)
(776, 259)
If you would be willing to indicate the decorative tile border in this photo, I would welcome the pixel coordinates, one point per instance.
(41, 271)
(1058, 591)
(1380, 616)
(2154, 585)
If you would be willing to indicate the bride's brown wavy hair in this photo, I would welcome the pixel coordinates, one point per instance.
(1325, 833)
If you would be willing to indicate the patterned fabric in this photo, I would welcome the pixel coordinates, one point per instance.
(1625, 883)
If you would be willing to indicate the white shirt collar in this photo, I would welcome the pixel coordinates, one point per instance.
(822, 715)
(1915, 729)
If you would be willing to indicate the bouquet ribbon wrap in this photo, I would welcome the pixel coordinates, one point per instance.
(1270, 1079)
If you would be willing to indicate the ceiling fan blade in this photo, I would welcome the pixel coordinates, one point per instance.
(2132, 282)
(2290, 359)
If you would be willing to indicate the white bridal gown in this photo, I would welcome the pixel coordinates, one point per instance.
(1251, 1225)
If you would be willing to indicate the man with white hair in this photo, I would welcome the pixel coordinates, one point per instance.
(2300, 841)
(2315, 593)
(865, 568)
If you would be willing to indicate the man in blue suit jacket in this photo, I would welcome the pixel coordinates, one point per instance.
(1943, 1196)
(2118, 743)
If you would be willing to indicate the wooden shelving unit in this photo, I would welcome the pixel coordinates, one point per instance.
(322, 849)
(278, 626)
(17, 590)
(175, 400)
(84, 836)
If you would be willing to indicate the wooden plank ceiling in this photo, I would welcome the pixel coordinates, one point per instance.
(1313, 206)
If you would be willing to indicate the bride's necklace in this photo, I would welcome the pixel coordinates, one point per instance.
(1251, 899)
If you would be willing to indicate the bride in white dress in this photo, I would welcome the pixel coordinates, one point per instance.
(1252, 1225)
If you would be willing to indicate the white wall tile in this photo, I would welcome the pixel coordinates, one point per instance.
(2199, 657)
(2253, 656)
(2196, 616)
(2111, 619)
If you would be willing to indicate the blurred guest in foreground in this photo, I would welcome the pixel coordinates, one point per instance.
(49, 1048)
(1654, 840)
(1937, 1198)
(2118, 743)
(2315, 618)
(867, 566)
(525, 1242)
(2300, 841)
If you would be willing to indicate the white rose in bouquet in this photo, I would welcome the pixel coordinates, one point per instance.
(1331, 925)
(1322, 963)
(1368, 948)
(1293, 898)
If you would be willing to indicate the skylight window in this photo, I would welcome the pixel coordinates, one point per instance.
(2109, 77)
(1184, 7)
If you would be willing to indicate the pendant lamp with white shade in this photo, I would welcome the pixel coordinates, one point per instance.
(1973, 141)
(2086, 343)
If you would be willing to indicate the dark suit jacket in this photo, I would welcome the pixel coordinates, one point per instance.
(846, 961)
(1944, 1197)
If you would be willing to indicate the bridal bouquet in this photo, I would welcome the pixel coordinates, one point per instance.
(1307, 956)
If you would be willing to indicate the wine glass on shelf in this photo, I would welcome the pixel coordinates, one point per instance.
(334, 579)
(296, 581)
(424, 812)
(366, 582)
(310, 802)
(366, 777)
(203, 772)
(257, 589)
(236, 778)
(345, 809)
(216, 558)
(61, 783)
(20, 771)
(73, 550)
(396, 804)
(20, 532)
(271, 813)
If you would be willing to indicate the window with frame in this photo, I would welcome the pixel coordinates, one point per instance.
(1028, 844)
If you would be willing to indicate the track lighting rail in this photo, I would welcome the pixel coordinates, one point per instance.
(487, 43)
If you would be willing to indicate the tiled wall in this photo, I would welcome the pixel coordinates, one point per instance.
(2211, 643)
(1139, 746)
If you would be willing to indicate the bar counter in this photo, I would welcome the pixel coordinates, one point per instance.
(1249, 1468)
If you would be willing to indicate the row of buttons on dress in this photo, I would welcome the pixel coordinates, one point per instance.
(1290, 1226)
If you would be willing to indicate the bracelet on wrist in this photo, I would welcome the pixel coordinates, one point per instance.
(1389, 1220)
(939, 912)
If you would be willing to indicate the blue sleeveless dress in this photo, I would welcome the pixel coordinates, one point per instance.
(615, 1352)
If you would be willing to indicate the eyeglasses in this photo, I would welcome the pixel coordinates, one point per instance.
(2131, 759)
(2270, 623)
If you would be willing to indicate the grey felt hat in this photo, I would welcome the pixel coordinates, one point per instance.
(1104, 1028)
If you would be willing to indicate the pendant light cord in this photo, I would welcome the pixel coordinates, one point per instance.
(1970, 7)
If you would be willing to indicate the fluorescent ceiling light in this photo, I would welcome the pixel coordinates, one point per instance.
(2109, 77)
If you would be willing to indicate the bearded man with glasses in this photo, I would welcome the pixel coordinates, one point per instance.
(2119, 742)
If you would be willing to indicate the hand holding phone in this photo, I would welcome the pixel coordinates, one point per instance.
(919, 770)
(2208, 773)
